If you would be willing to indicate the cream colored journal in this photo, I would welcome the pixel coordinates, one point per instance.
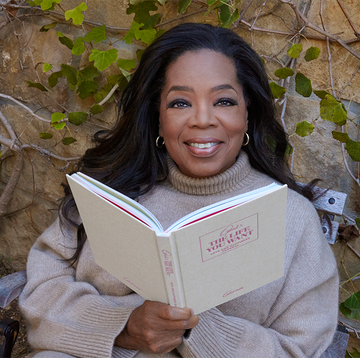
(207, 258)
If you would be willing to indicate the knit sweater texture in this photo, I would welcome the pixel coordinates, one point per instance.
(79, 311)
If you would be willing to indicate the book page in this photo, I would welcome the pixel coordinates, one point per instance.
(220, 206)
(117, 198)
(234, 252)
(120, 244)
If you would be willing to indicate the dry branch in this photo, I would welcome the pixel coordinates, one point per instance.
(8, 192)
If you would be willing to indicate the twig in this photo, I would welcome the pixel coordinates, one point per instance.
(109, 94)
(253, 24)
(179, 18)
(25, 107)
(328, 49)
(8, 192)
(345, 161)
(353, 250)
(348, 84)
(318, 29)
(17, 38)
(348, 19)
(48, 153)
(236, 23)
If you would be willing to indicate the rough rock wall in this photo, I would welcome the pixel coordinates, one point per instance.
(34, 206)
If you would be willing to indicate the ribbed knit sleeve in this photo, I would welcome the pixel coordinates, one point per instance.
(303, 317)
(65, 314)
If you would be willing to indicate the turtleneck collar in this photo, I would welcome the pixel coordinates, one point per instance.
(230, 179)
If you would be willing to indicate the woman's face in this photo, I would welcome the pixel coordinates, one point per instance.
(203, 116)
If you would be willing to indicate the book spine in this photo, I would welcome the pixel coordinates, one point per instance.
(171, 272)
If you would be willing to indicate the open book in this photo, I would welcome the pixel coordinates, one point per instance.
(206, 258)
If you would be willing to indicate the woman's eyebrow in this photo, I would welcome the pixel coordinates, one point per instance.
(221, 87)
(181, 88)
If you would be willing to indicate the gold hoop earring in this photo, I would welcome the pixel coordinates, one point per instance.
(157, 142)
(247, 140)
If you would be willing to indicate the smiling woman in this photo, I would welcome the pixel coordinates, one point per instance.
(202, 118)
(196, 125)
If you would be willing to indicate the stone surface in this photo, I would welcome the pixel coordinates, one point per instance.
(316, 156)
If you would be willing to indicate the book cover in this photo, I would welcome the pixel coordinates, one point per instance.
(200, 265)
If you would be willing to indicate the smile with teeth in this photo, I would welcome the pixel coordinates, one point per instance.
(203, 145)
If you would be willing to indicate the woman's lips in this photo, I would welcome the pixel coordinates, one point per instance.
(203, 148)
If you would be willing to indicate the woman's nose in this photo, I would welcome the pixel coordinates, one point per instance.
(203, 116)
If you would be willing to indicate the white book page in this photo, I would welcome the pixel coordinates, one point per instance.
(221, 206)
(129, 205)
(124, 247)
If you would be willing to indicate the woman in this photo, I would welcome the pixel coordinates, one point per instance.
(196, 126)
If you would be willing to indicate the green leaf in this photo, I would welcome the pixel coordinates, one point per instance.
(45, 135)
(159, 33)
(68, 140)
(65, 40)
(96, 109)
(126, 74)
(97, 34)
(183, 5)
(321, 94)
(103, 92)
(352, 304)
(57, 116)
(333, 110)
(46, 28)
(70, 73)
(151, 22)
(357, 221)
(312, 53)
(36, 85)
(119, 79)
(49, 4)
(76, 14)
(354, 354)
(284, 72)
(131, 34)
(31, 3)
(47, 67)
(147, 36)
(87, 89)
(79, 47)
(213, 4)
(304, 128)
(103, 59)
(54, 78)
(276, 90)
(342, 137)
(77, 118)
(303, 85)
(142, 10)
(126, 64)
(353, 149)
(88, 73)
(294, 50)
(227, 22)
(58, 125)
(139, 53)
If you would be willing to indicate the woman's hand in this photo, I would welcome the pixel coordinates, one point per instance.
(156, 327)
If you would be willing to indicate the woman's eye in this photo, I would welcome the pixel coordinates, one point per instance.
(225, 102)
(179, 104)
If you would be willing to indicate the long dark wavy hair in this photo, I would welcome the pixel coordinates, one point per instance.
(126, 158)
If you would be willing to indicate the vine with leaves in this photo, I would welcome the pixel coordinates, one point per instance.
(93, 81)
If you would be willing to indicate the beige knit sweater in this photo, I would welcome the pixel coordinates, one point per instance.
(79, 311)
